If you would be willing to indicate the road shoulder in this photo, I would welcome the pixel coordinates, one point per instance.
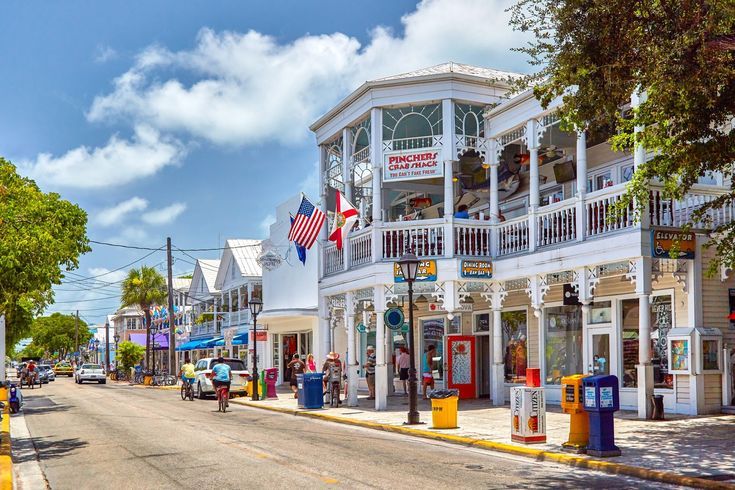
(27, 471)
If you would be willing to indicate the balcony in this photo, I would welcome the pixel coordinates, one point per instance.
(556, 225)
(235, 319)
(206, 328)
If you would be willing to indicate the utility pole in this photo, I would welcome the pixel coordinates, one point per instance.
(171, 315)
(107, 346)
(76, 336)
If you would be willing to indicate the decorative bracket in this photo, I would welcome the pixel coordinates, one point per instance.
(536, 290)
(585, 281)
(725, 273)
(389, 295)
(495, 294)
(680, 274)
(639, 274)
(534, 131)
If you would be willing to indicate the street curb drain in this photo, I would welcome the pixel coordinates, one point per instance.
(537, 454)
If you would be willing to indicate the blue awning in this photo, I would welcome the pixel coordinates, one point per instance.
(206, 344)
(194, 344)
(241, 339)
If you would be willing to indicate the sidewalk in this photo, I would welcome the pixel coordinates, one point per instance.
(699, 447)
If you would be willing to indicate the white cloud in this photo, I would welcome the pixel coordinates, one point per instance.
(107, 276)
(265, 224)
(103, 54)
(132, 235)
(119, 162)
(165, 215)
(249, 88)
(113, 215)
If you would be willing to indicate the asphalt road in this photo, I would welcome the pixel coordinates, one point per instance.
(117, 436)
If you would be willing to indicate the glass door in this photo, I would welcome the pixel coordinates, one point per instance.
(599, 351)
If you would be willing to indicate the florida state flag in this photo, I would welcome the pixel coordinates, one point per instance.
(344, 217)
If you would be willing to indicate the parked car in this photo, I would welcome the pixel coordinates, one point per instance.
(90, 372)
(42, 375)
(50, 375)
(63, 368)
(204, 386)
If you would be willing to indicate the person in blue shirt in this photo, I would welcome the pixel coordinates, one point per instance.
(462, 212)
(222, 374)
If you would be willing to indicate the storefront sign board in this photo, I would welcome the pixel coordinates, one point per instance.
(394, 318)
(663, 240)
(426, 272)
(477, 269)
(420, 163)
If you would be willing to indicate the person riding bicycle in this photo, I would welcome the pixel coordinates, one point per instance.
(32, 370)
(187, 372)
(222, 374)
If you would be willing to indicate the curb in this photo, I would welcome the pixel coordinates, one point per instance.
(6, 462)
(170, 388)
(538, 454)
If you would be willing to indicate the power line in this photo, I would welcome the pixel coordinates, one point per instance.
(115, 270)
(122, 245)
(86, 300)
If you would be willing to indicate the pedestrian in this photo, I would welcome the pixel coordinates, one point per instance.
(332, 370)
(427, 378)
(310, 363)
(403, 361)
(370, 371)
(296, 367)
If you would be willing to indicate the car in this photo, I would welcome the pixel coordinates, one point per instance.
(63, 368)
(203, 385)
(42, 375)
(90, 372)
(50, 375)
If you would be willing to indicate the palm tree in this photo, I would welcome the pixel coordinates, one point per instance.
(144, 288)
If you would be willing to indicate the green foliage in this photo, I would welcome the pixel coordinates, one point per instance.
(129, 354)
(144, 287)
(203, 317)
(595, 54)
(31, 350)
(57, 333)
(41, 236)
(186, 276)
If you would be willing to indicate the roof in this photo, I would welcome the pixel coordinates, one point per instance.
(452, 67)
(443, 71)
(209, 269)
(181, 284)
(245, 254)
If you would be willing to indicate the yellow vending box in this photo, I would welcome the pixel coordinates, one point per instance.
(572, 402)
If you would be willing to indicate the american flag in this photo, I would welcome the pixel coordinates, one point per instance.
(307, 224)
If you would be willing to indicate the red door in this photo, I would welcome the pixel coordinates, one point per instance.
(461, 365)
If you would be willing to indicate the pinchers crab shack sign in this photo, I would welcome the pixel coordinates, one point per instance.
(422, 163)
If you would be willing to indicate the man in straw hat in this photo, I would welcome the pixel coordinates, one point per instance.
(332, 370)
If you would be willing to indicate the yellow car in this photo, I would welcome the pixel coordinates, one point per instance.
(63, 369)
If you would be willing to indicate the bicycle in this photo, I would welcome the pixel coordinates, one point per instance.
(223, 398)
(187, 391)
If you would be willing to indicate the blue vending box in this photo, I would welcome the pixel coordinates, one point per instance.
(313, 389)
(601, 401)
(300, 390)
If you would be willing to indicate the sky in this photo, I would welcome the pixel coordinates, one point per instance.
(189, 118)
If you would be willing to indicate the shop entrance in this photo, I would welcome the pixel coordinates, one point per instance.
(483, 366)
(290, 344)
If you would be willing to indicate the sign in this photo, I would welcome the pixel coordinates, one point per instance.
(393, 318)
(262, 336)
(731, 293)
(606, 397)
(404, 328)
(571, 295)
(426, 272)
(589, 397)
(663, 240)
(421, 163)
(361, 327)
(528, 414)
(477, 269)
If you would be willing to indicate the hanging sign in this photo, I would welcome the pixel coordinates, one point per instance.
(422, 163)
(393, 318)
(426, 272)
(361, 327)
(477, 269)
(571, 295)
(731, 317)
(662, 242)
(261, 335)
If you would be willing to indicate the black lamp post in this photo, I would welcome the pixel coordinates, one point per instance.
(154, 331)
(256, 306)
(97, 350)
(409, 265)
(116, 338)
(107, 346)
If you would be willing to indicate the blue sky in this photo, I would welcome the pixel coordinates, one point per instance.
(190, 119)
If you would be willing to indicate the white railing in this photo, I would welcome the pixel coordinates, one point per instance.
(556, 223)
(334, 260)
(361, 247)
(232, 319)
(600, 213)
(513, 236)
(425, 238)
(472, 238)
(667, 212)
(204, 328)
(361, 156)
(412, 143)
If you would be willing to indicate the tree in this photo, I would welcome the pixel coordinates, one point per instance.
(31, 350)
(680, 54)
(57, 333)
(41, 237)
(129, 354)
(144, 288)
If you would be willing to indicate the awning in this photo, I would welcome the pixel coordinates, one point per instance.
(160, 340)
(207, 344)
(190, 345)
(241, 339)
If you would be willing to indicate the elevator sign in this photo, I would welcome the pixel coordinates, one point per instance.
(664, 241)
(422, 163)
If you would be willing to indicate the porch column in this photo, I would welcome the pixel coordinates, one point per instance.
(448, 209)
(347, 162)
(639, 154)
(352, 367)
(498, 367)
(214, 314)
(644, 367)
(376, 159)
(325, 339)
(322, 206)
(581, 210)
(532, 140)
(239, 306)
(229, 307)
(381, 369)
(494, 155)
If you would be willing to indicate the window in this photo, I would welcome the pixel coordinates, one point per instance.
(563, 328)
(555, 194)
(201, 366)
(600, 312)
(455, 324)
(433, 334)
(661, 321)
(131, 323)
(482, 323)
(514, 325)
(626, 173)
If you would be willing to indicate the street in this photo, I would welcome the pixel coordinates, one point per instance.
(119, 436)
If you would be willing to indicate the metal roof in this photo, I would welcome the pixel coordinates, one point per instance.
(452, 67)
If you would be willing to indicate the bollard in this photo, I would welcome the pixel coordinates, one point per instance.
(601, 401)
(572, 404)
(528, 410)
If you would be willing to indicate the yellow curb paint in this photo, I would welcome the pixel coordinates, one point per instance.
(6, 473)
(538, 454)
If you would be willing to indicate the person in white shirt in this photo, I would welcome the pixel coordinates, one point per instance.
(403, 362)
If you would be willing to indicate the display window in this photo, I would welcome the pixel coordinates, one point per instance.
(481, 323)
(514, 325)
(432, 331)
(563, 349)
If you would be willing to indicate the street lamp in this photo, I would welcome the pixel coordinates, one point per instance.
(116, 338)
(256, 306)
(107, 345)
(409, 265)
(154, 331)
(97, 350)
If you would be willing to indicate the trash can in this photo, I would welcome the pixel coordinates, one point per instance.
(444, 408)
(309, 393)
(658, 407)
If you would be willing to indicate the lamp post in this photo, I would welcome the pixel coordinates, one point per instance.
(256, 306)
(409, 265)
(97, 351)
(107, 345)
(117, 339)
(154, 331)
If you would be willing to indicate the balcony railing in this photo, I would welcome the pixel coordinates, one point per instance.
(205, 328)
(234, 318)
(550, 226)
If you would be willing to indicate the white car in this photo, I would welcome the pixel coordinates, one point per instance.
(90, 372)
(203, 384)
(49, 371)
